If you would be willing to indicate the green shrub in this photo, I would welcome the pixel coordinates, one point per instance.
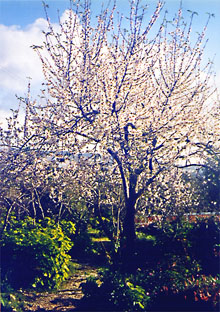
(11, 300)
(174, 286)
(181, 267)
(114, 291)
(198, 240)
(204, 240)
(35, 255)
(171, 273)
(89, 240)
(192, 293)
(82, 243)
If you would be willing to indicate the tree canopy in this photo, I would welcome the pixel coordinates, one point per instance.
(131, 106)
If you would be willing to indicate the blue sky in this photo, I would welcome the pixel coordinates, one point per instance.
(23, 12)
(21, 23)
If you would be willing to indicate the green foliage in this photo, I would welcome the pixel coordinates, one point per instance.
(114, 292)
(168, 275)
(163, 289)
(198, 240)
(83, 246)
(11, 300)
(204, 238)
(171, 271)
(35, 255)
(183, 266)
(145, 237)
(89, 239)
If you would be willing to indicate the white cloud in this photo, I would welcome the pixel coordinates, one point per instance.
(18, 61)
(3, 115)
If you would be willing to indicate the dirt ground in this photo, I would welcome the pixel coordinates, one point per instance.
(64, 299)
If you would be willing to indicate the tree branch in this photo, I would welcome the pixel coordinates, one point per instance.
(116, 158)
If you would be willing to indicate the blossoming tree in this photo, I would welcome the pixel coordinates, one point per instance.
(128, 103)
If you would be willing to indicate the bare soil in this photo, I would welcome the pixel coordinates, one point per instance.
(64, 299)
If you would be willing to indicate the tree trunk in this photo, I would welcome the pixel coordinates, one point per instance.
(129, 236)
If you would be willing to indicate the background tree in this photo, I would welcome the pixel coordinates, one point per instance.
(204, 185)
(128, 103)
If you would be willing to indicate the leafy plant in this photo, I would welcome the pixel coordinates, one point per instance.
(35, 255)
(170, 273)
(11, 300)
(116, 291)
